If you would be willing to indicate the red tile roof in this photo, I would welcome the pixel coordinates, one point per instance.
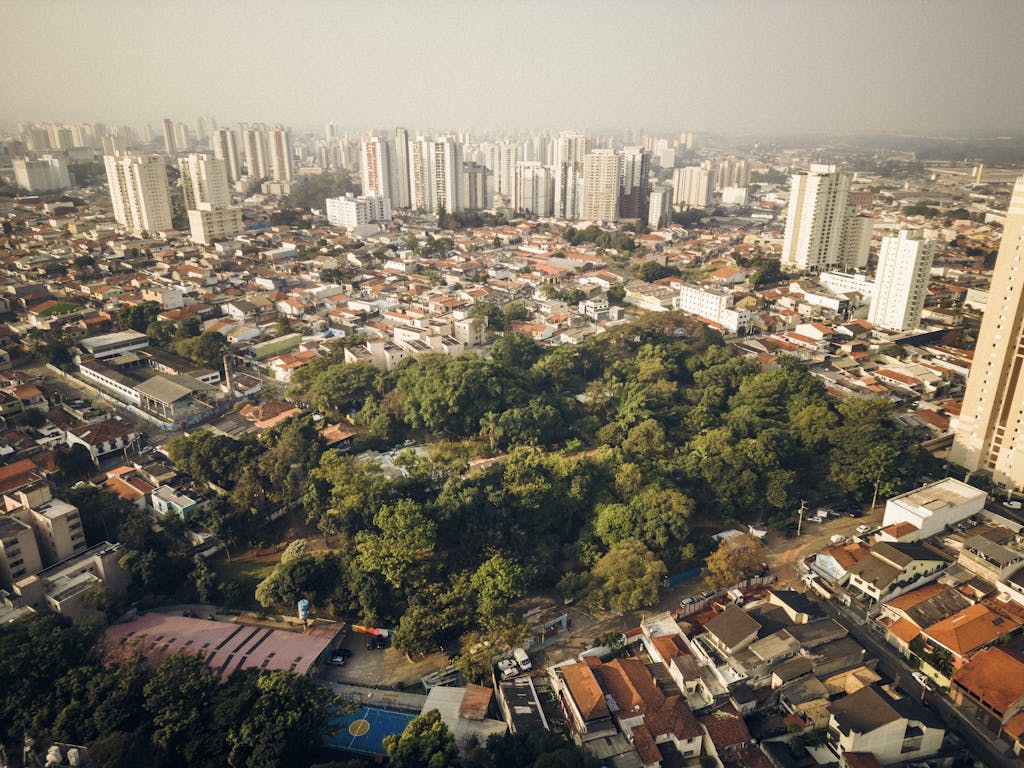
(995, 676)
(725, 727)
(582, 685)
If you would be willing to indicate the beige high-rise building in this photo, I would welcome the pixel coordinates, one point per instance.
(204, 179)
(600, 186)
(170, 147)
(139, 192)
(226, 148)
(822, 230)
(254, 146)
(282, 164)
(990, 429)
(534, 189)
(211, 216)
(375, 168)
(569, 150)
(693, 186)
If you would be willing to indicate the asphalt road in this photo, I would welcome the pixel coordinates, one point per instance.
(891, 664)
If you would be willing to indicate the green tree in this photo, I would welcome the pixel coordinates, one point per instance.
(629, 576)
(733, 560)
(177, 697)
(499, 580)
(339, 389)
(284, 722)
(425, 743)
(403, 545)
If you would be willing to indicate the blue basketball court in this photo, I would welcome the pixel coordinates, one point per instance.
(363, 731)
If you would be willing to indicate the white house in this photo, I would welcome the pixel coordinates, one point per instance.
(932, 507)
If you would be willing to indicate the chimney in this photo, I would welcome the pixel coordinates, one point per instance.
(227, 374)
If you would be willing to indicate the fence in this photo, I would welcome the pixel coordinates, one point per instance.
(703, 602)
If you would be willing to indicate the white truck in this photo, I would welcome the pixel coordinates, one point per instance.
(522, 659)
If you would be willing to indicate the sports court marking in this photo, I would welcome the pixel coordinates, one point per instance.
(364, 730)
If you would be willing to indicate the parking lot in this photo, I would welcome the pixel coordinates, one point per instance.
(785, 554)
(381, 668)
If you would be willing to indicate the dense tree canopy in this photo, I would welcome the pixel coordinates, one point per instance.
(129, 714)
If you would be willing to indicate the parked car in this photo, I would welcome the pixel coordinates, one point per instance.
(508, 674)
(337, 661)
(506, 664)
(523, 659)
(838, 538)
(863, 528)
(687, 601)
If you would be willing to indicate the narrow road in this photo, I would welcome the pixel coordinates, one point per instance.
(981, 742)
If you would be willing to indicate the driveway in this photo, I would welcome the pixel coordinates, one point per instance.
(381, 668)
(784, 555)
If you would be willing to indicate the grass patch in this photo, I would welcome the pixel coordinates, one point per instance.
(245, 575)
(59, 309)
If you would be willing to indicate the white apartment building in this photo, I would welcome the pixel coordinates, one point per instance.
(502, 159)
(139, 192)
(693, 187)
(43, 174)
(254, 145)
(204, 179)
(600, 186)
(822, 231)
(711, 304)
(477, 192)
(570, 148)
(534, 189)
(435, 174)
(374, 167)
(350, 211)
(282, 162)
(901, 281)
(225, 147)
(659, 211)
(732, 172)
(848, 282)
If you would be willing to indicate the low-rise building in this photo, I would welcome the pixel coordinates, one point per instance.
(62, 587)
(19, 554)
(933, 507)
(893, 568)
(894, 730)
(993, 682)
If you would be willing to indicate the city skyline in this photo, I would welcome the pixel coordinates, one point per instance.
(783, 67)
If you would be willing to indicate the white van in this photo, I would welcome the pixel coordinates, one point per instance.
(522, 659)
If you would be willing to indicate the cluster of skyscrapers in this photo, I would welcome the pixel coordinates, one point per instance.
(564, 177)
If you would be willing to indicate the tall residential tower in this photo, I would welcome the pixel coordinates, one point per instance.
(901, 281)
(990, 432)
(822, 230)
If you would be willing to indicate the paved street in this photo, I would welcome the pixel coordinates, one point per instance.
(982, 743)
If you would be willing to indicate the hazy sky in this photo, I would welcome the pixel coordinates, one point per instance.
(733, 66)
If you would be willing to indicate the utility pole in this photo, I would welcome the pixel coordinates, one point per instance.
(800, 520)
